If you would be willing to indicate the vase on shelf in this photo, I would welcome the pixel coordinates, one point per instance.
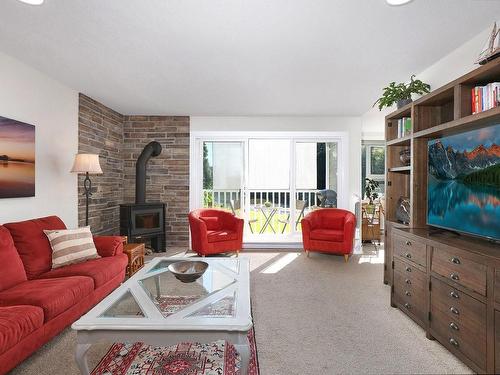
(403, 210)
(405, 156)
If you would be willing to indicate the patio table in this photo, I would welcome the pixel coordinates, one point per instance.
(268, 213)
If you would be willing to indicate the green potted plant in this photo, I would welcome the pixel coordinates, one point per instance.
(400, 93)
(370, 192)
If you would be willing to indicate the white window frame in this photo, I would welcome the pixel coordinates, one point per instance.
(376, 177)
(196, 163)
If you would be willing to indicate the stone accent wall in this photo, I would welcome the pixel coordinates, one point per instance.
(100, 131)
(119, 140)
(167, 174)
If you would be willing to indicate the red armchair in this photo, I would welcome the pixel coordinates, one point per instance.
(329, 230)
(215, 231)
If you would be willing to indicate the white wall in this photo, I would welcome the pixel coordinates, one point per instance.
(30, 96)
(450, 67)
(349, 125)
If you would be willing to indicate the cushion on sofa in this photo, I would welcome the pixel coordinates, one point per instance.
(100, 270)
(12, 272)
(221, 235)
(54, 296)
(327, 235)
(17, 322)
(71, 246)
(32, 244)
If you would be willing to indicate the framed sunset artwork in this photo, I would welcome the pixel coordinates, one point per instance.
(17, 159)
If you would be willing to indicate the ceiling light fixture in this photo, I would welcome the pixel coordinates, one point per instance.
(398, 2)
(32, 2)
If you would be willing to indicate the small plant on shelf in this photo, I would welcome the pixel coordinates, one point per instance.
(400, 93)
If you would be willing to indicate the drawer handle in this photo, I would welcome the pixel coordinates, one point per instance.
(454, 326)
(455, 260)
(408, 281)
(408, 243)
(407, 293)
(454, 310)
(407, 305)
(408, 269)
(454, 276)
(454, 343)
(454, 294)
(408, 255)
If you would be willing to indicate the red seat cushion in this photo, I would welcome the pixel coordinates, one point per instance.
(327, 235)
(33, 245)
(54, 296)
(221, 235)
(17, 322)
(100, 270)
(12, 266)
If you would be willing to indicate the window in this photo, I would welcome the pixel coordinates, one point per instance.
(373, 164)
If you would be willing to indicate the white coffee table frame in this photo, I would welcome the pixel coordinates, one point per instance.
(155, 329)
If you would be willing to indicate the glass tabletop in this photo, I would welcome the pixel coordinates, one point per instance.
(169, 295)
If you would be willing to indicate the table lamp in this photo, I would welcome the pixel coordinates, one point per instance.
(86, 164)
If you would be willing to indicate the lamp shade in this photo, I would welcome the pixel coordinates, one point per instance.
(86, 163)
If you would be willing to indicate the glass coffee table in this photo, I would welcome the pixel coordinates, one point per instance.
(155, 308)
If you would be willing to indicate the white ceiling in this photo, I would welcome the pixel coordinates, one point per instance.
(237, 57)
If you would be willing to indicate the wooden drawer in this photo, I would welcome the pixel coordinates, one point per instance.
(497, 285)
(453, 334)
(497, 342)
(411, 301)
(457, 305)
(407, 276)
(463, 271)
(409, 249)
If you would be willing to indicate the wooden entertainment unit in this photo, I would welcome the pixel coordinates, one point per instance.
(447, 283)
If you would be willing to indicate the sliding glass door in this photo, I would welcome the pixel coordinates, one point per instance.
(271, 182)
(223, 171)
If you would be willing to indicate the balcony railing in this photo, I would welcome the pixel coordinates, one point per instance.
(273, 198)
(262, 202)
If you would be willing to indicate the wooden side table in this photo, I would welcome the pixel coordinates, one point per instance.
(135, 253)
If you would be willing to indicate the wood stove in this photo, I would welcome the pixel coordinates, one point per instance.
(142, 221)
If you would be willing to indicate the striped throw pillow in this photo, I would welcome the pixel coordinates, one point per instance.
(71, 246)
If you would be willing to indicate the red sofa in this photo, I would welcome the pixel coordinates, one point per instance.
(329, 230)
(36, 303)
(215, 231)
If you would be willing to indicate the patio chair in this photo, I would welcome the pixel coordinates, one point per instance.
(236, 205)
(327, 198)
(299, 206)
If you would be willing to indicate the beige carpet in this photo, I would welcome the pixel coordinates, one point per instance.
(312, 316)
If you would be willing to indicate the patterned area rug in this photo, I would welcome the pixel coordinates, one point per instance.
(216, 358)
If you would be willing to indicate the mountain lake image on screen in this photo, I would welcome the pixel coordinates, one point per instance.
(463, 190)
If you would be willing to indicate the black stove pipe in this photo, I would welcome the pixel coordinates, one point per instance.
(152, 149)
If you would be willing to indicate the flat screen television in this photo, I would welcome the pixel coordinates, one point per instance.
(463, 187)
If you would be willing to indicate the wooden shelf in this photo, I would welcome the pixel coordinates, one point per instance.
(404, 111)
(463, 124)
(406, 168)
(398, 224)
(404, 141)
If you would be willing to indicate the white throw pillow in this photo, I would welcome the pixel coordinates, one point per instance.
(71, 246)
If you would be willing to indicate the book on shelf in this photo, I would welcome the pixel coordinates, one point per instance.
(404, 127)
(485, 97)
